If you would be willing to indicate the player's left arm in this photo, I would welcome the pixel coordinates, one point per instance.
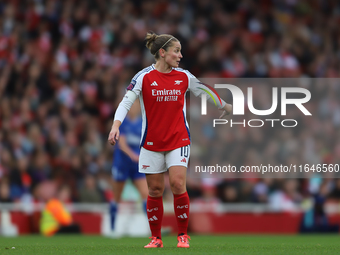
(199, 88)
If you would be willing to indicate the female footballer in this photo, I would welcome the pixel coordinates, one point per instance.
(165, 140)
(125, 161)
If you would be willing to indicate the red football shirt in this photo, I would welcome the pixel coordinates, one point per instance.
(163, 106)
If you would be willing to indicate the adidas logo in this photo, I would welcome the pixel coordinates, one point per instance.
(154, 83)
(153, 218)
(183, 216)
(184, 160)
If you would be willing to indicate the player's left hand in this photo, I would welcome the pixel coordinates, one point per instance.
(226, 110)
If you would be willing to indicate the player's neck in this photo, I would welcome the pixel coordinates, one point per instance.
(163, 67)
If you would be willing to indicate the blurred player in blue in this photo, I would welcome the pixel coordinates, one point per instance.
(125, 160)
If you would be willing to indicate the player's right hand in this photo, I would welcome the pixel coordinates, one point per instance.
(114, 135)
(134, 157)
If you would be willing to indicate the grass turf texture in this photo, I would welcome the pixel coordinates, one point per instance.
(247, 244)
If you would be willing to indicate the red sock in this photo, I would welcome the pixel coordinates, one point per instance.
(181, 206)
(154, 208)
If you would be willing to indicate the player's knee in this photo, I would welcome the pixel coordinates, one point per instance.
(178, 186)
(156, 191)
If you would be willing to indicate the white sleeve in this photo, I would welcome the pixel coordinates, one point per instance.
(133, 91)
(136, 83)
(125, 105)
(198, 88)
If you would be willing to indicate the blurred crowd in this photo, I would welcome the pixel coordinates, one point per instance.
(64, 66)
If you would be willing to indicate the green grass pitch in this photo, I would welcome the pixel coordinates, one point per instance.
(227, 244)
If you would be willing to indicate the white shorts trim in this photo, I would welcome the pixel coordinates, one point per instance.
(154, 162)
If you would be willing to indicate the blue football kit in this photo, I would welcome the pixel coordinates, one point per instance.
(123, 167)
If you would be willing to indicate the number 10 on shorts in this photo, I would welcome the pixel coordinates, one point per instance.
(185, 151)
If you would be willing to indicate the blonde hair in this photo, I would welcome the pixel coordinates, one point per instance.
(156, 42)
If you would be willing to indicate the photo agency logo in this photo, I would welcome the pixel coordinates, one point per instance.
(239, 106)
(277, 128)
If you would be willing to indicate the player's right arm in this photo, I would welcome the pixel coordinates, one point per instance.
(133, 91)
(120, 115)
(123, 145)
(114, 133)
